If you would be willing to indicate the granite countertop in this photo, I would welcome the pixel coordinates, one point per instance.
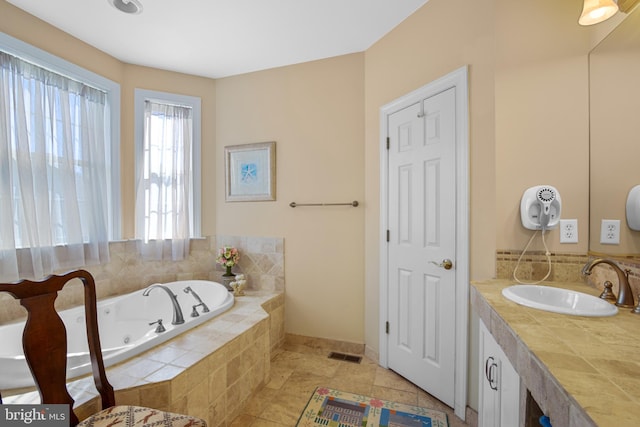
(581, 370)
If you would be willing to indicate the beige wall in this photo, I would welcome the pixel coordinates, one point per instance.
(21, 25)
(542, 116)
(614, 134)
(29, 29)
(528, 125)
(439, 38)
(314, 112)
(528, 94)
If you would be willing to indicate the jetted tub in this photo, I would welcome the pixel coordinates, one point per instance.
(124, 328)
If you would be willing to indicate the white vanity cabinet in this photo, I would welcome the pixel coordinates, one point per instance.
(499, 397)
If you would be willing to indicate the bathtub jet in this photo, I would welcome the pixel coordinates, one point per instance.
(123, 325)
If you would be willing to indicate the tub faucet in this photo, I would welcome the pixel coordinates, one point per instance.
(205, 309)
(177, 311)
(625, 297)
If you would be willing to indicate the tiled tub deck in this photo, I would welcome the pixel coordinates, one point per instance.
(210, 371)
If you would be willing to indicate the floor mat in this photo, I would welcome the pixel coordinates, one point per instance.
(334, 408)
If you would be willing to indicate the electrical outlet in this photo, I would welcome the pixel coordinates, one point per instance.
(568, 231)
(610, 232)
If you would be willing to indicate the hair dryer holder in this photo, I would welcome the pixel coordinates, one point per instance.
(535, 201)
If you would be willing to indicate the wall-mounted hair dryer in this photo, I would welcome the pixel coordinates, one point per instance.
(540, 208)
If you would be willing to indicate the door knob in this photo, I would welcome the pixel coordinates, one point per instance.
(446, 263)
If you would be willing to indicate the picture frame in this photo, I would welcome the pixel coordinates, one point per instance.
(250, 172)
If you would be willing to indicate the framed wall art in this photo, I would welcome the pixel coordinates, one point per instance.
(250, 172)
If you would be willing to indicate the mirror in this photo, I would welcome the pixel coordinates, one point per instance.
(614, 134)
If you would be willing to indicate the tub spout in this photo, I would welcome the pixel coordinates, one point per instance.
(178, 318)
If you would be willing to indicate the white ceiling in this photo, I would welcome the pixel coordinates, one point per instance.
(218, 38)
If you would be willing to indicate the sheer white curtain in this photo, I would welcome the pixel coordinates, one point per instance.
(53, 172)
(164, 184)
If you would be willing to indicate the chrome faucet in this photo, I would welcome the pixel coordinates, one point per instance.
(205, 309)
(625, 297)
(177, 311)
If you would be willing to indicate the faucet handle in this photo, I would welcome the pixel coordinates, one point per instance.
(607, 293)
(159, 328)
(195, 313)
(636, 310)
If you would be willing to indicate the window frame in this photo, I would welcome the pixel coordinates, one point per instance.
(61, 66)
(140, 97)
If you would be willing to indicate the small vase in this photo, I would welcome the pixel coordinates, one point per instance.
(228, 273)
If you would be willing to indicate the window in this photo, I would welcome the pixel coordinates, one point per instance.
(167, 172)
(59, 163)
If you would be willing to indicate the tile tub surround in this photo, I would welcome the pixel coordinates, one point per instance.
(261, 260)
(582, 371)
(210, 372)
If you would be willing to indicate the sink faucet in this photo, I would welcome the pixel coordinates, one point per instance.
(177, 311)
(625, 297)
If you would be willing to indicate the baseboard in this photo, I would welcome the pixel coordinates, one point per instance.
(323, 344)
(372, 354)
(471, 417)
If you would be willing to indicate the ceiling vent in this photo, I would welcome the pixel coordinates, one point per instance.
(132, 7)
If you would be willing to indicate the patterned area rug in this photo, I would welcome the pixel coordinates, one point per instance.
(334, 408)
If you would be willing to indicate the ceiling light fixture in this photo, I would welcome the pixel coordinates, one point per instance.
(595, 11)
(132, 7)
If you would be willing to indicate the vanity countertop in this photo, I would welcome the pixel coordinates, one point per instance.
(582, 371)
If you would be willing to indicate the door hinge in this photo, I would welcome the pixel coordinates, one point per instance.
(386, 327)
(388, 142)
(388, 236)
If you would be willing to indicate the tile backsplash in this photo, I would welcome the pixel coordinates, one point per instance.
(565, 267)
(261, 260)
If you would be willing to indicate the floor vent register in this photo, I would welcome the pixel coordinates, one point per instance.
(345, 357)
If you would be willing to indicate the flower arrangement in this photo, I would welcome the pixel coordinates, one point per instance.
(228, 256)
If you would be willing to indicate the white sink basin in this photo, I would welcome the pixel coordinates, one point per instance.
(559, 300)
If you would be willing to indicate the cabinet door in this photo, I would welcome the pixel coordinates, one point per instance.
(499, 397)
(489, 394)
(509, 393)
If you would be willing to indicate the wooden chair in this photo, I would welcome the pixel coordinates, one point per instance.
(45, 348)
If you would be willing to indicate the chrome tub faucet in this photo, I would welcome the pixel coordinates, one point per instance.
(178, 318)
(625, 296)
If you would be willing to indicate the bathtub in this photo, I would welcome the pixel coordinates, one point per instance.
(124, 328)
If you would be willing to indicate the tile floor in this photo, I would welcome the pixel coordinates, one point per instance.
(296, 371)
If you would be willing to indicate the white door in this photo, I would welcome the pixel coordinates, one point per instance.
(422, 244)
